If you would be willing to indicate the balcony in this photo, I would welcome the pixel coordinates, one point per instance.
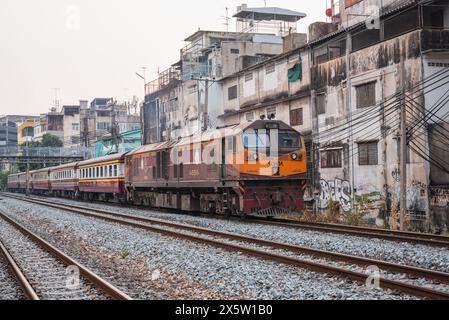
(434, 40)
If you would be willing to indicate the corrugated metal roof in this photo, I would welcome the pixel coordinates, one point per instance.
(271, 13)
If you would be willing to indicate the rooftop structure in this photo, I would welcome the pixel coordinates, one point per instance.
(267, 20)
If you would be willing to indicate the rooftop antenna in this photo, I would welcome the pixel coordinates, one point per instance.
(56, 102)
(227, 19)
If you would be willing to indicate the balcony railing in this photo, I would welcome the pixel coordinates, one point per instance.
(435, 40)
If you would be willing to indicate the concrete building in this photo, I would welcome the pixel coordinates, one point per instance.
(356, 71)
(188, 98)
(72, 125)
(49, 123)
(25, 130)
(104, 117)
(8, 132)
(346, 86)
(128, 140)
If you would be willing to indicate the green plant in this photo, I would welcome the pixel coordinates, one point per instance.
(333, 211)
(3, 180)
(353, 218)
(124, 254)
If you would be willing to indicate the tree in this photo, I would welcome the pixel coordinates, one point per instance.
(3, 180)
(51, 141)
(48, 141)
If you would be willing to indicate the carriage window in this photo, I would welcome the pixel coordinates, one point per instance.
(97, 172)
(101, 172)
(115, 171)
(110, 172)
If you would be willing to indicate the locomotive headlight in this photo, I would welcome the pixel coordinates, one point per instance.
(294, 156)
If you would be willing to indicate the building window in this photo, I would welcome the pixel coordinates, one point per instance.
(399, 24)
(368, 154)
(366, 95)
(103, 126)
(75, 127)
(235, 51)
(331, 159)
(271, 112)
(249, 116)
(270, 68)
(296, 117)
(248, 77)
(232, 93)
(320, 104)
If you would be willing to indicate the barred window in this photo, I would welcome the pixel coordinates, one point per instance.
(250, 116)
(368, 154)
(270, 68)
(366, 95)
(248, 77)
(331, 159)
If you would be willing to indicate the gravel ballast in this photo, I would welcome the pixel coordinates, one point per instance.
(406, 253)
(216, 273)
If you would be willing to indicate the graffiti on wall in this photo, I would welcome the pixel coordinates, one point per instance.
(337, 190)
(439, 197)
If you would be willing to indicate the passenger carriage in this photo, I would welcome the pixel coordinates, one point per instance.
(103, 178)
(13, 182)
(64, 180)
(40, 181)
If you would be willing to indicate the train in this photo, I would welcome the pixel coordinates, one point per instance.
(254, 169)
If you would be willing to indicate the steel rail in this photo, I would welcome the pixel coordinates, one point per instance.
(107, 288)
(433, 238)
(398, 236)
(148, 224)
(23, 281)
(393, 267)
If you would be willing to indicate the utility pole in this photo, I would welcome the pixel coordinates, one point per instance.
(27, 193)
(403, 168)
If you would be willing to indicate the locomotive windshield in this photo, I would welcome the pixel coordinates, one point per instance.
(286, 140)
(289, 140)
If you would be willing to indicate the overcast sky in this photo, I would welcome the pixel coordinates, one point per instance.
(44, 45)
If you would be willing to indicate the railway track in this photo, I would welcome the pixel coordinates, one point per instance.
(278, 252)
(398, 236)
(401, 236)
(42, 271)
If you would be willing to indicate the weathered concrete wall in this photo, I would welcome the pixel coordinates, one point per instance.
(257, 87)
(439, 208)
(377, 184)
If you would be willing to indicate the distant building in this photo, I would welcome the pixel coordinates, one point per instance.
(25, 130)
(188, 98)
(72, 125)
(8, 132)
(127, 141)
(49, 123)
(104, 117)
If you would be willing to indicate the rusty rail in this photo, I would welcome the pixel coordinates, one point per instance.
(23, 281)
(149, 225)
(105, 286)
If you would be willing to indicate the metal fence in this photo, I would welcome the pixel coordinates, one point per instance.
(75, 152)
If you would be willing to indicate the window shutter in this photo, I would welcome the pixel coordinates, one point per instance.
(373, 154)
(363, 155)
